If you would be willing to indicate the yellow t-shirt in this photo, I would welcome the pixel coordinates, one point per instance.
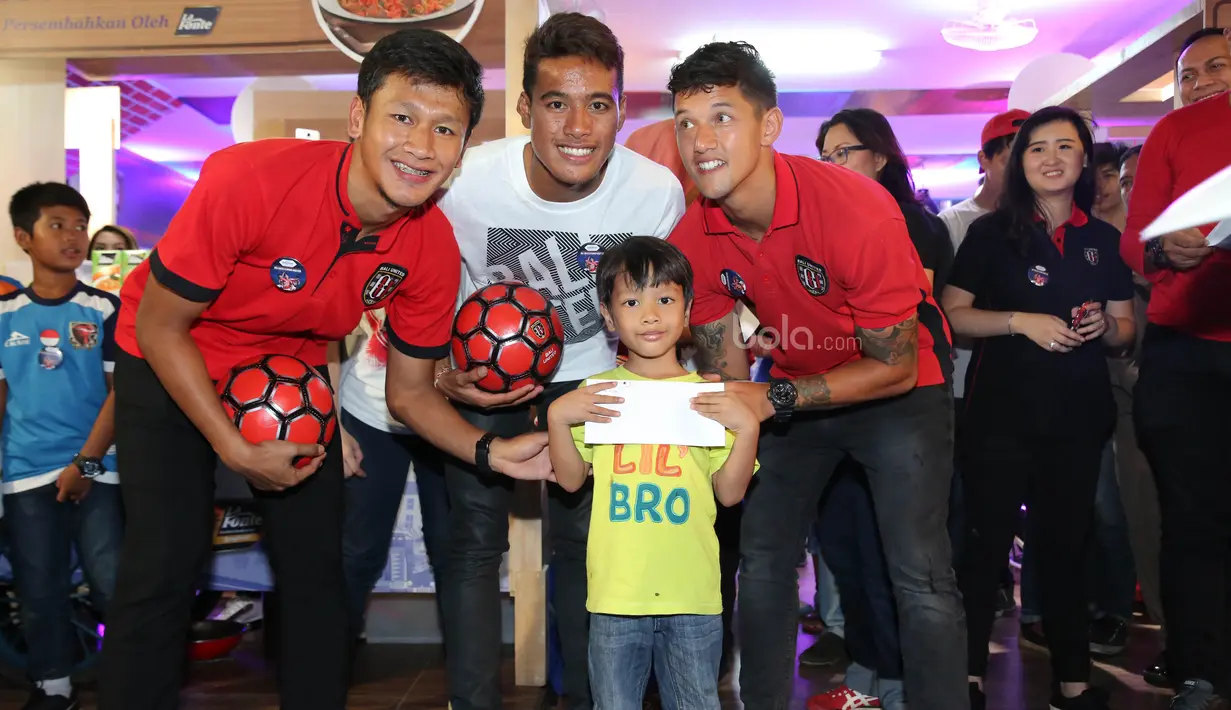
(652, 548)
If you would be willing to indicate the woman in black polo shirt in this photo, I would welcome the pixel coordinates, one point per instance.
(1039, 406)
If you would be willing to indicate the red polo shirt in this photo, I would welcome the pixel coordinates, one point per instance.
(837, 255)
(268, 237)
(1184, 148)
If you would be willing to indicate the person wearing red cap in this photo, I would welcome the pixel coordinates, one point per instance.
(995, 140)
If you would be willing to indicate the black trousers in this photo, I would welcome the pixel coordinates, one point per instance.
(167, 471)
(1060, 474)
(1179, 410)
(479, 536)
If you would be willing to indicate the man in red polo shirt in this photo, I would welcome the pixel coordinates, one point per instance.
(1182, 394)
(280, 248)
(823, 258)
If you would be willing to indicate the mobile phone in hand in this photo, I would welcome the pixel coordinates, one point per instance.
(1082, 312)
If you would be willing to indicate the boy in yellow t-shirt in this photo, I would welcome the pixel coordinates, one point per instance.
(652, 560)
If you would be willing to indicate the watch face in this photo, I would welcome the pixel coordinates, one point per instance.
(783, 393)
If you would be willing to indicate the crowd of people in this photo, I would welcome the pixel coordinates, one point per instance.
(919, 379)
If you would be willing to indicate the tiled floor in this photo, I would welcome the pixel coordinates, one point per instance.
(393, 677)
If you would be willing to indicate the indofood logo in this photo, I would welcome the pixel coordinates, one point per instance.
(198, 21)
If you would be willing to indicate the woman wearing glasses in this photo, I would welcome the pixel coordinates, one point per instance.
(862, 140)
(1040, 286)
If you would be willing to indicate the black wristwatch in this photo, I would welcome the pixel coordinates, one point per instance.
(90, 466)
(483, 452)
(1155, 254)
(782, 395)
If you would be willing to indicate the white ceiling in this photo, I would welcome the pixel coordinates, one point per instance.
(907, 31)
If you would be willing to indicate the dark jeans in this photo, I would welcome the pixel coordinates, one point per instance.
(1061, 475)
(479, 536)
(905, 445)
(41, 536)
(1179, 407)
(168, 471)
(372, 504)
(851, 547)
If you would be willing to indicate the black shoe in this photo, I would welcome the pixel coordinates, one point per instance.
(1092, 699)
(829, 650)
(1197, 695)
(1156, 673)
(1005, 603)
(978, 699)
(42, 701)
(1033, 634)
(1108, 636)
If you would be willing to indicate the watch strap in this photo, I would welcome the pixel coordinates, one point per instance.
(482, 453)
(90, 466)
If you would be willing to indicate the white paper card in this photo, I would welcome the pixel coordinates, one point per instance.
(1207, 203)
(657, 413)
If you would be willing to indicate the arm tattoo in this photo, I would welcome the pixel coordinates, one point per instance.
(812, 392)
(711, 342)
(890, 345)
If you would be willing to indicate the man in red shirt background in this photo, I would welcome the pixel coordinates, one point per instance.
(1185, 380)
(822, 256)
(280, 248)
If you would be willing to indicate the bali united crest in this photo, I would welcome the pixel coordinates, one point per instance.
(811, 275)
(1092, 256)
(384, 281)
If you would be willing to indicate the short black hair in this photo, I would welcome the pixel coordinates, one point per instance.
(1129, 154)
(1108, 154)
(735, 64)
(1197, 36)
(571, 34)
(423, 55)
(646, 261)
(28, 203)
(993, 147)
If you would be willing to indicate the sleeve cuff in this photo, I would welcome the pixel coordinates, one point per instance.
(695, 322)
(179, 285)
(107, 367)
(419, 352)
(871, 323)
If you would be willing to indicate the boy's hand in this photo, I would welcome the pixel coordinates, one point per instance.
(584, 404)
(728, 410)
(72, 485)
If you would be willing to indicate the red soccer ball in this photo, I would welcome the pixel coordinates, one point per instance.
(279, 397)
(513, 331)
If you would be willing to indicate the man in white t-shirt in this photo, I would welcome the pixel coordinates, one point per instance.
(993, 157)
(538, 209)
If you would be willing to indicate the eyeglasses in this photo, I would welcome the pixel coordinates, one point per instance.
(840, 156)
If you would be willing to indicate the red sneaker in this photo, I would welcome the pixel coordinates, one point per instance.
(842, 698)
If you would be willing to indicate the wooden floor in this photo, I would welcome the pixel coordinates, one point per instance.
(395, 677)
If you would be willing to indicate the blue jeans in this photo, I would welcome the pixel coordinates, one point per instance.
(41, 535)
(851, 542)
(371, 508)
(683, 649)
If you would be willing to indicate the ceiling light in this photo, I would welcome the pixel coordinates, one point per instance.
(1161, 89)
(990, 30)
(795, 53)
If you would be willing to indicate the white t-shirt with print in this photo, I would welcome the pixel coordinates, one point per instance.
(536, 242)
(507, 232)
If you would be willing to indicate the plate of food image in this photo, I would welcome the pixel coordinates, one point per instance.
(393, 11)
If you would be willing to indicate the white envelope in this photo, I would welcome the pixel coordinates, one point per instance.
(656, 412)
(1207, 203)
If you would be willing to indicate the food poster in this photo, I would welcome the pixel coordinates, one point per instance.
(354, 26)
(108, 269)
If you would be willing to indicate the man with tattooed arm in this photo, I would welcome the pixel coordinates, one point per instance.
(861, 367)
